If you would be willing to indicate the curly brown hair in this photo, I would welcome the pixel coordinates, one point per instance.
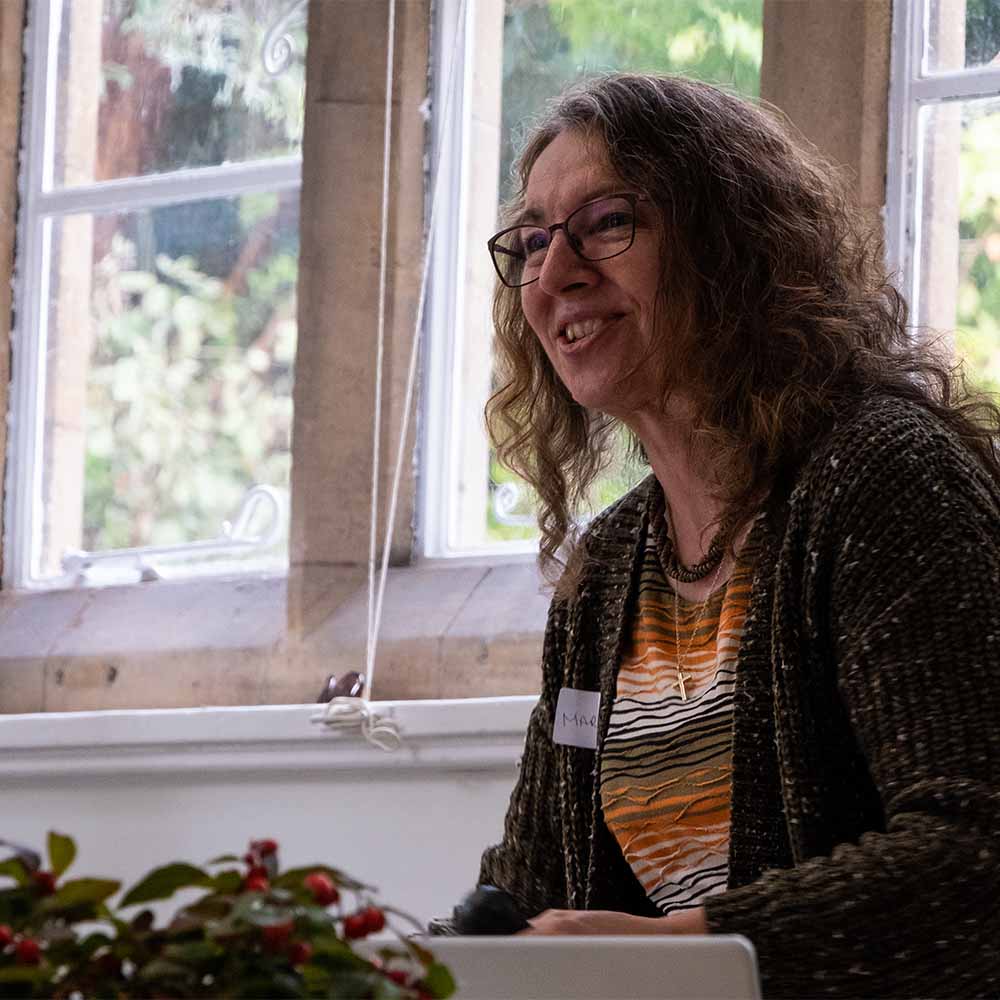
(781, 309)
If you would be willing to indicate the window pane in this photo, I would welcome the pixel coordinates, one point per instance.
(149, 86)
(527, 51)
(548, 45)
(170, 366)
(962, 34)
(959, 227)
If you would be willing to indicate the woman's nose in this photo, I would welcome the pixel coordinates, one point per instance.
(563, 268)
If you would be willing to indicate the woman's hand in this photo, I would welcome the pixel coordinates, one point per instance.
(589, 922)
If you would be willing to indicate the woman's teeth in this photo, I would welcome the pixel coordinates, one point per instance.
(576, 331)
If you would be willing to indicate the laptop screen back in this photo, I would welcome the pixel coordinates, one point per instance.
(600, 968)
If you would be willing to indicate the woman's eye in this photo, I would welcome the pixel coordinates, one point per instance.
(535, 242)
(613, 220)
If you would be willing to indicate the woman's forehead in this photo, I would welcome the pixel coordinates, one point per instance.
(572, 169)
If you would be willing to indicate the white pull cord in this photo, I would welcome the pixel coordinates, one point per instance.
(356, 713)
(344, 712)
(383, 276)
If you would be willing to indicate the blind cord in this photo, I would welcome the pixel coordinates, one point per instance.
(378, 729)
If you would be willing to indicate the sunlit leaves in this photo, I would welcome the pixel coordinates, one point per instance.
(977, 339)
(189, 392)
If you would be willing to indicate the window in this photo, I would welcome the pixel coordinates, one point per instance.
(155, 332)
(510, 57)
(943, 224)
(451, 628)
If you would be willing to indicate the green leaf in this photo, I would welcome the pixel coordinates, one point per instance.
(224, 859)
(228, 882)
(80, 892)
(16, 905)
(162, 883)
(350, 983)
(273, 985)
(24, 974)
(159, 969)
(254, 910)
(209, 906)
(315, 917)
(14, 868)
(62, 851)
(316, 979)
(292, 879)
(193, 952)
(92, 942)
(438, 981)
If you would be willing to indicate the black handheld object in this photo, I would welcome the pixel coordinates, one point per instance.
(488, 910)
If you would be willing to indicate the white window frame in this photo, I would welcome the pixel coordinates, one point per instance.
(40, 206)
(911, 89)
(440, 436)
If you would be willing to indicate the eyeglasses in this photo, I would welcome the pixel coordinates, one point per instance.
(597, 230)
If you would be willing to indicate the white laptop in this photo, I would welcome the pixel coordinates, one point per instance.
(718, 967)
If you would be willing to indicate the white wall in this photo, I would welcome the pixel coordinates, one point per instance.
(139, 789)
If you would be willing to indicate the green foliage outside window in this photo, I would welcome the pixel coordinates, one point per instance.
(189, 395)
(189, 400)
(977, 338)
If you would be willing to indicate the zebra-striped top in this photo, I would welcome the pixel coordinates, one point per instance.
(666, 766)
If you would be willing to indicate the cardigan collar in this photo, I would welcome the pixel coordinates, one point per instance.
(598, 876)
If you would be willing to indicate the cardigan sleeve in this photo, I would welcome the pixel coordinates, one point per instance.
(528, 861)
(892, 561)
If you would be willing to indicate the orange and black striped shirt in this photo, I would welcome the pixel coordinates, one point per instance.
(666, 762)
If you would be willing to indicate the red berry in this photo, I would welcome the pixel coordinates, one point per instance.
(356, 926)
(257, 871)
(6, 935)
(275, 936)
(256, 883)
(299, 952)
(322, 888)
(250, 858)
(45, 881)
(28, 952)
(374, 919)
(264, 848)
(398, 976)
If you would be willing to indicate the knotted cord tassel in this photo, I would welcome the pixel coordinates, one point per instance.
(355, 713)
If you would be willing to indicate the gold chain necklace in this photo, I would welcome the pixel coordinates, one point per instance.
(681, 676)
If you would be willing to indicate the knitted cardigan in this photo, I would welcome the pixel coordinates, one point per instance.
(865, 822)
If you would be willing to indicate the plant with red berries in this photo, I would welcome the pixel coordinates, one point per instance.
(254, 931)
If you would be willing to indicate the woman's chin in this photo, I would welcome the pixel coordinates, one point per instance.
(607, 399)
(599, 402)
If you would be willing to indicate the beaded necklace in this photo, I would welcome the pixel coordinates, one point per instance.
(662, 528)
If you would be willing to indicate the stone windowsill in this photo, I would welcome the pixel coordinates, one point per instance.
(449, 630)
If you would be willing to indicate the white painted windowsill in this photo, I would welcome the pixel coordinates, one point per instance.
(467, 735)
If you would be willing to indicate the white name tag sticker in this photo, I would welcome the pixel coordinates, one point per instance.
(576, 718)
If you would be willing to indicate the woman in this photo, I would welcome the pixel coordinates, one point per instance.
(790, 632)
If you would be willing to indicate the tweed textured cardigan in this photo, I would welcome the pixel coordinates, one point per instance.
(864, 855)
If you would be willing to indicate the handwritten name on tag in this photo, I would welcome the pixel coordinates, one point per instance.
(576, 718)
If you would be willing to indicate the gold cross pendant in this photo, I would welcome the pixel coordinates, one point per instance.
(679, 683)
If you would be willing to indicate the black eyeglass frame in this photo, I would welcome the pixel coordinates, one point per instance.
(491, 244)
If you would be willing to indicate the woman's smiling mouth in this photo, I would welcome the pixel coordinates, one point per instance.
(571, 335)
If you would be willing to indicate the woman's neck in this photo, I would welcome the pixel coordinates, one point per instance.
(689, 483)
